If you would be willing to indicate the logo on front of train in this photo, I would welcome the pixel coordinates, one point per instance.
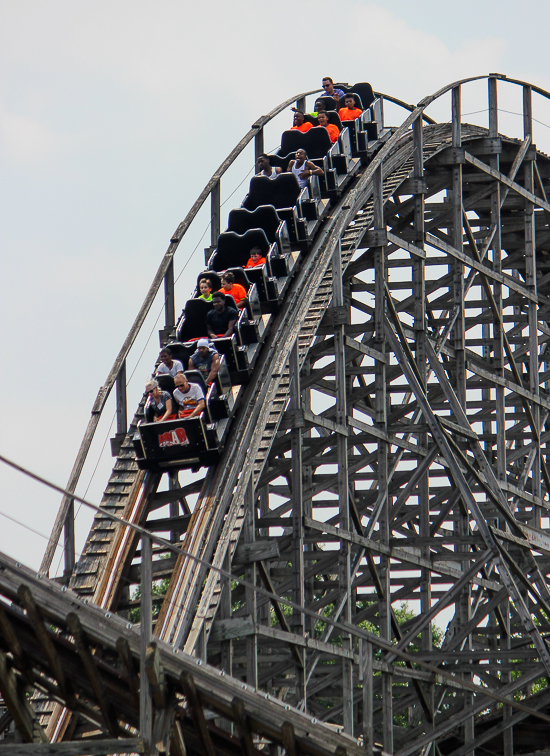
(177, 437)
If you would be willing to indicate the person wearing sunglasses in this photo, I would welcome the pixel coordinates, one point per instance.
(159, 404)
(328, 86)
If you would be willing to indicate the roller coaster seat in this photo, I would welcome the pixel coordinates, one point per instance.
(316, 143)
(166, 382)
(279, 162)
(265, 217)
(192, 324)
(213, 277)
(234, 250)
(334, 118)
(365, 92)
(282, 192)
(330, 102)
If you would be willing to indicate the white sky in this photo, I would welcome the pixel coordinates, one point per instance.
(113, 116)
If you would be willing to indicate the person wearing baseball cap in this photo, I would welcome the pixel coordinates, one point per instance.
(206, 359)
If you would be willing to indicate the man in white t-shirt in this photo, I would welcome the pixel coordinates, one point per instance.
(189, 397)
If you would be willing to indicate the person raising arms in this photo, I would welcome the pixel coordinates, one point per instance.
(303, 168)
(328, 86)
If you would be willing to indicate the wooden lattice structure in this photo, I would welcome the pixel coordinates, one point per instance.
(391, 447)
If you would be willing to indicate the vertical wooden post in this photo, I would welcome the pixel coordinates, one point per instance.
(169, 301)
(68, 542)
(297, 622)
(380, 416)
(457, 235)
(367, 673)
(531, 281)
(301, 104)
(250, 593)
(258, 147)
(344, 578)
(215, 214)
(121, 406)
(145, 702)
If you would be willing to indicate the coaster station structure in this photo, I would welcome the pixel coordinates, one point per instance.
(390, 448)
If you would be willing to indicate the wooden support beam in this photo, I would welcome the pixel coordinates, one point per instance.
(155, 675)
(127, 661)
(17, 704)
(84, 747)
(86, 656)
(197, 714)
(289, 739)
(241, 721)
(46, 644)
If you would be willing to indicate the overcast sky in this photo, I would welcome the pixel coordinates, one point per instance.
(113, 116)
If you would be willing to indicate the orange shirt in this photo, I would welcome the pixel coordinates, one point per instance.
(251, 264)
(303, 128)
(237, 291)
(349, 114)
(333, 131)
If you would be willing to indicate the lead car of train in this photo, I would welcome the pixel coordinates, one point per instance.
(283, 220)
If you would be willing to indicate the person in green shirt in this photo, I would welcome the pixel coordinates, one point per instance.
(205, 288)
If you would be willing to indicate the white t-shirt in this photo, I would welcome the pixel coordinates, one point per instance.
(190, 399)
(177, 367)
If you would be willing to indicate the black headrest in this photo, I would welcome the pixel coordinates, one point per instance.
(358, 101)
(265, 217)
(194, 325)
(212, 277)
(364, 90)
(316, 143)
(165, 381)
(181, 351)
(240, 276)
(234, 250)
(334, 118)
(195, 376)
(330, 102)
(230, 302)
(280, 192)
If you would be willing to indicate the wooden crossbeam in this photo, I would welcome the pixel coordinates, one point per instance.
(83, 650)
(85, 747)
(155, 675)
(197, 714)
(241, 721)
(16, 703)
(46, 644)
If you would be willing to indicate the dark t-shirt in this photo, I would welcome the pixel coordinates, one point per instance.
(219, 322)
(204, 364)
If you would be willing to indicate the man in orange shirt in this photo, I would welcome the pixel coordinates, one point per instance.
(237, 291)
(350, 112)
(256, 258)
(299, 122)
(333, 130)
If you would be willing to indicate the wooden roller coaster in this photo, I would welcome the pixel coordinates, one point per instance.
(366, 567)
